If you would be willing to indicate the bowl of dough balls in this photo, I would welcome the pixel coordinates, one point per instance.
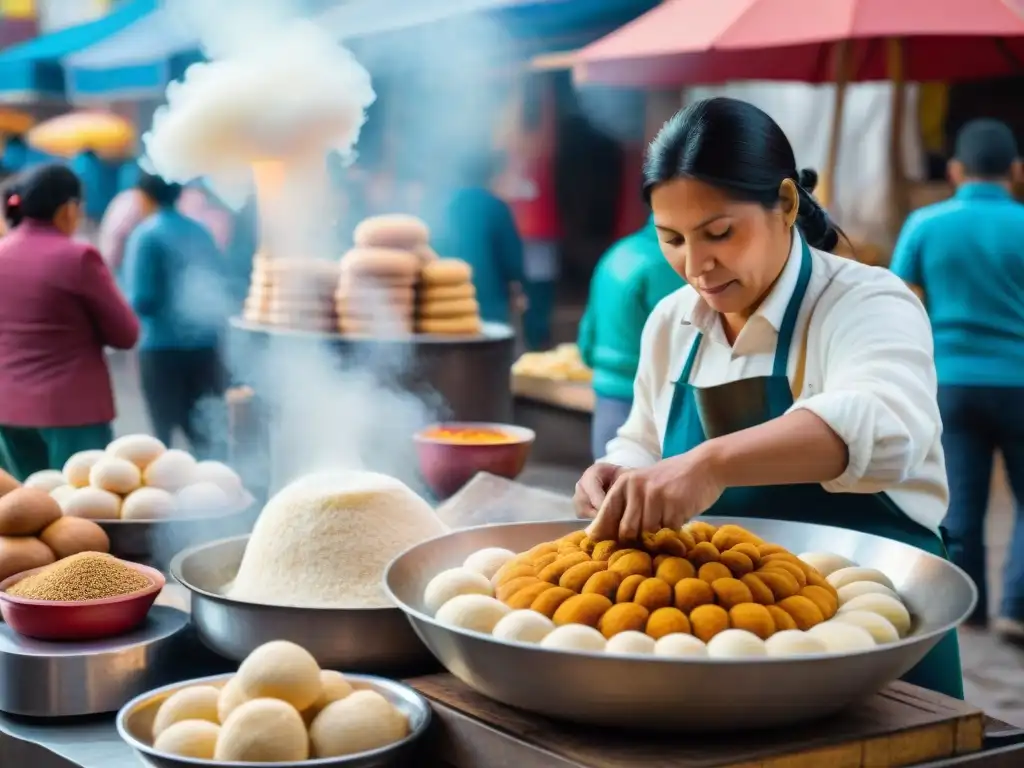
(146, 496)
(35, 533)
(717, 623)
(279, 709)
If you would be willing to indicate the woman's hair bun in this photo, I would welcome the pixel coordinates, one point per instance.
(808, 179)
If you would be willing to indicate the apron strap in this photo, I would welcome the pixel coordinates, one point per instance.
(792, 311)
(684, 376)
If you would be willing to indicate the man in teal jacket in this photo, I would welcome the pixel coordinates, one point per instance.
(628, 282)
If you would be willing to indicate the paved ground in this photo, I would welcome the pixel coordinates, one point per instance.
(994, 671)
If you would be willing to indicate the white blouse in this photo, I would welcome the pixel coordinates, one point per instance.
(870, 375)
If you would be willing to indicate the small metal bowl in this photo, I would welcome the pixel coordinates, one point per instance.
(79, 620)
(362, 639)
(446, 466)
(135, 726)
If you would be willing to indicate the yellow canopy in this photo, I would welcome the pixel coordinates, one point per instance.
(67, 135)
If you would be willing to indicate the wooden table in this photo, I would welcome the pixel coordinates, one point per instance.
(901, 726)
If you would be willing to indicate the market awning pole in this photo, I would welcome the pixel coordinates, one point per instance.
(897, 177)
(841, 63)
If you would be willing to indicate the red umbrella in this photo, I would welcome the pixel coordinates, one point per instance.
(814, 41)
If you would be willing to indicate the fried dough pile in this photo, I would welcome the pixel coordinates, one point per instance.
(700, 580)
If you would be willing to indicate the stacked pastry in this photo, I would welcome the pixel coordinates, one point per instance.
(377, 287)
(293, 293)
(447, 304)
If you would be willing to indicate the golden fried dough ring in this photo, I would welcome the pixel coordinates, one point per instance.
(582, 609)
(664, 542)
(750, 551)
(815, 579)
(804, 612)
(568, 548)
(730, 592)
(687, 538)
(704, 552)
(603, 583)
(587, 545)
(692, 593)
(653, 594)
(728, 536)
(702, 531)
(554, 571)
(753, 618)
(576, 537)
(758, 589)
(548, 601)
(509, 588)
(545, 548)
(603, 550)
(782, 619)
(524, 597)
(708, 620)
(827, 603)
(658, 560)
(542, 562)
(771, 549)
(634, 562)
(620, 553)
(737, 563)
(667, 621)
(783, 557)
(671, 570)
(781, 583)
(712, 572)
(623, 617)
(578, 575)
(784, 565)
(627, 589)
(512, 570)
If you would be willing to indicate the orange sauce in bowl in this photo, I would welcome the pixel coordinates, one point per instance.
(469, 436)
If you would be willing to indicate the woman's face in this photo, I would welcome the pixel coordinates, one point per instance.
(731, 252)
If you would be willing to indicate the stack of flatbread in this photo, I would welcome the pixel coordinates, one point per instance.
(293, 293)
(447, 304)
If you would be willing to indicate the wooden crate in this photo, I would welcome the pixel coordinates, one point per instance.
(902, 726)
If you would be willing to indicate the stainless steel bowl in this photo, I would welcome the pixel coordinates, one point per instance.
(684, 695)
(135, 726)
(362, 639)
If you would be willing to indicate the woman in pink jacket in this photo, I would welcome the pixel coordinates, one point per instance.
(59, 309)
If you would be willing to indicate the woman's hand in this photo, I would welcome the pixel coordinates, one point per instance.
(592, 488)
(665, 495)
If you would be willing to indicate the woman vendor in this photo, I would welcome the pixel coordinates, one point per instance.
(783, 382)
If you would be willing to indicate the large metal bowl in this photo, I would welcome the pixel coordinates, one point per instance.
(684, 695)
(135, 726)
(365, 640)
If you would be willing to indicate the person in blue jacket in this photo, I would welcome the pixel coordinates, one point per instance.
(477, 226)
(99, 182)
(175, 279)
(628, 282)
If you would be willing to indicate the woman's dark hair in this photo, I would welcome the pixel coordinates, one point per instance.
(738, 148)
(39, 193)
(162, 192)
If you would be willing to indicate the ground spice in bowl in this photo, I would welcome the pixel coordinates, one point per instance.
(85, 576)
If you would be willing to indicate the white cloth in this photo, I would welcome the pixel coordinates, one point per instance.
(870, 375)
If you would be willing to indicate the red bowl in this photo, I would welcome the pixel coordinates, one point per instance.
(82, 620)
(447, 466)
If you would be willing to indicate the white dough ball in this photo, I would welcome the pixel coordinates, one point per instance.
(362, 721)
(880, 628)
(45, 480)
(524, 626)
(858, 588)
(887, 607)
(845, 576)
(793, 642)
(93, 504)
(679, 645)
(118, 476)
(826, 563)
(62, 493)
(475, 612)
(140, 450)
(574, 637)
(172, 470)
(735, 644)
(630, 642)
(148, 504)
(201, 500)
(486, 562)
(221, 475)
(453, 582)
(842, 638)
(76, 469)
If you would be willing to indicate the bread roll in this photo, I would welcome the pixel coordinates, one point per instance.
(395, 230)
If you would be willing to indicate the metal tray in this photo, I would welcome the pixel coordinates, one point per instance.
(684, 695)
(135, 724)
(366, 640)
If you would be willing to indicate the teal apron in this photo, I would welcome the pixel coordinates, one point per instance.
(698, 414)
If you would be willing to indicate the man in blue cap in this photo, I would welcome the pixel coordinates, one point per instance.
(965, 258)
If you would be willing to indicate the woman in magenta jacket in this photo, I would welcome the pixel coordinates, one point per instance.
(59, 309)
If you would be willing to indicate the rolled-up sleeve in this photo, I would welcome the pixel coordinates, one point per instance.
(879, 385)
(638, 443)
